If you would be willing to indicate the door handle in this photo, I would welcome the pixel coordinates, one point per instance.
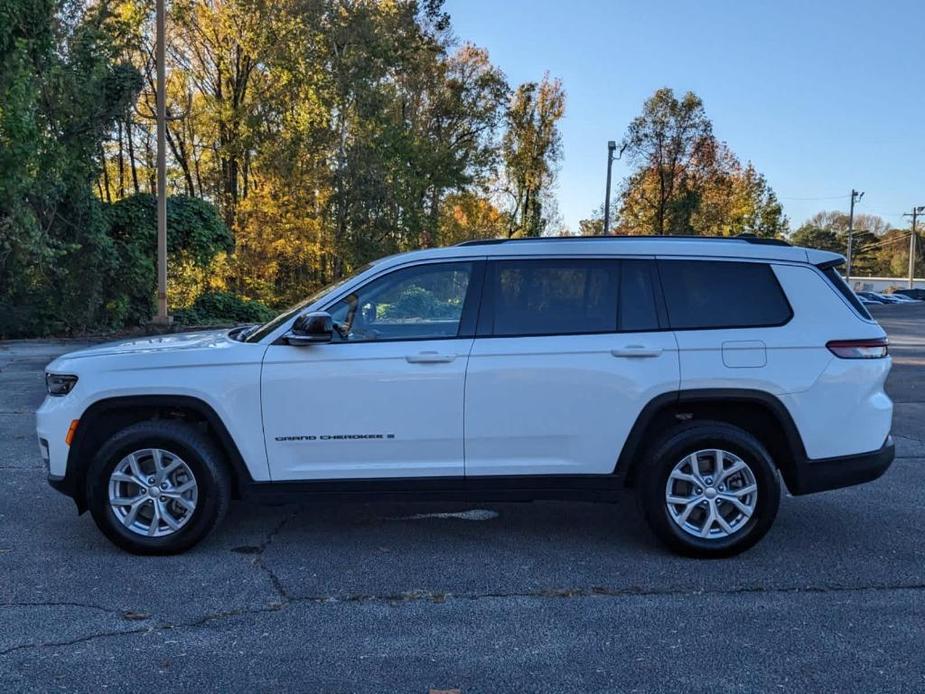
(430, 358)
(636, 351)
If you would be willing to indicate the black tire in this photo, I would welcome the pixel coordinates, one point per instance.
(202, 457)
(674, 446)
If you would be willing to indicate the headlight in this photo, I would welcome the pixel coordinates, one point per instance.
(59, 384)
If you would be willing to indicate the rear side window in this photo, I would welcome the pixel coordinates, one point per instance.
(554, 297)
(832, 275)
(705, 294)
(569, 297)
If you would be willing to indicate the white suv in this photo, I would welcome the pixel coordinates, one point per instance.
(696, 371)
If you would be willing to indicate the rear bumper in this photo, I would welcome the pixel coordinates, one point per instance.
(819, 475)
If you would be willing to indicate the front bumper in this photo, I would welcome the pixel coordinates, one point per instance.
(819, 475)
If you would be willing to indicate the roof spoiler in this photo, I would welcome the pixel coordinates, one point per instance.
(825, 265)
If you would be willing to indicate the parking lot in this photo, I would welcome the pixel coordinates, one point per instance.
(485, 598)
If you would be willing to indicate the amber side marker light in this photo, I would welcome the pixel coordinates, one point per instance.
(71, 430)
(859, 349)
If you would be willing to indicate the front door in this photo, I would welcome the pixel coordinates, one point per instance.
(385, 398)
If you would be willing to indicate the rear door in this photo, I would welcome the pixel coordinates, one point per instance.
(567, 353)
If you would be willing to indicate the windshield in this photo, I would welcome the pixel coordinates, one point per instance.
(265, 329)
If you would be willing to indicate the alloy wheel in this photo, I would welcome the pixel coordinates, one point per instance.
(711, 494)
(153, 492)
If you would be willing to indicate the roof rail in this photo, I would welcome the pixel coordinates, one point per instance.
(747, 238)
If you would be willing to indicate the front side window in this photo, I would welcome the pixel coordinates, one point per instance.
(711, 294)
(416, 303)
(258, 333)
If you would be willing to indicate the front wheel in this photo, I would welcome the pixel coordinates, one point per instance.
(709, 489)
(158, 487)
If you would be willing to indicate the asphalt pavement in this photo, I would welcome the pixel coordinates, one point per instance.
(541, 597)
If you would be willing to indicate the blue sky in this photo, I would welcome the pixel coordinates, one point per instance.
(822, 96)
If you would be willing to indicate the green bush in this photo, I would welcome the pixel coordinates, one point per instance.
(418, 301)
(223, 307)
(195, 231)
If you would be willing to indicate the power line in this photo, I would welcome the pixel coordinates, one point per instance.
(828, 197)
(901, 238)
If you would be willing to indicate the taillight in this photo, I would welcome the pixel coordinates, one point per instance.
(859, 349)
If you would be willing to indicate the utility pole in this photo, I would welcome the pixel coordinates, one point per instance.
(916, 211)
(855, 197)
(161, 316)
(611, 146)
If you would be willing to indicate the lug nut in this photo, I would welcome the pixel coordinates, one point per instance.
(151, 480)
(722, 487)
(699, 490)
(164, 485)
(709, 480)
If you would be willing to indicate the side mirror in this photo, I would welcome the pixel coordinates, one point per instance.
(311, 328)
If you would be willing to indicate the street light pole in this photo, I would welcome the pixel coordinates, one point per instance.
(160, 51)
(855, 197)
(611, 146)
(916, 211)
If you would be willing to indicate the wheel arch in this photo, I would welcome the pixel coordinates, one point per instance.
(758, 412)
(107, 416)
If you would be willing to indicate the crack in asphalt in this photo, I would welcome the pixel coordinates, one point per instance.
(258, 561)
(439, 598)
(63, 603)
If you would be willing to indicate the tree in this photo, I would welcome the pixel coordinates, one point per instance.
(875, 246)
(688, 182)
(760, 212)
(531, 149)
(325, 133)
(811, 236)
(671, 144)
(891, 254)
(62, 89)
(594, 225)
(469, 215)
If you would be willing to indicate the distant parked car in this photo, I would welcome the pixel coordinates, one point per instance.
(918, 294)
(886, 298)
(869, 302)
(903, 299)
(874, 298)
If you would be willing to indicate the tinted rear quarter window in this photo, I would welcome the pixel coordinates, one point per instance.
(836, 280)
(705, 294)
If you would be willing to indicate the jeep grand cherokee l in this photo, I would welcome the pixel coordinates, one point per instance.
(697, 372)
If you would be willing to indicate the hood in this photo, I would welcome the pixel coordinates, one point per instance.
(157, 344)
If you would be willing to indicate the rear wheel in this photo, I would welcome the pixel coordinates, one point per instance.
(158, 487)
(709, 489)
